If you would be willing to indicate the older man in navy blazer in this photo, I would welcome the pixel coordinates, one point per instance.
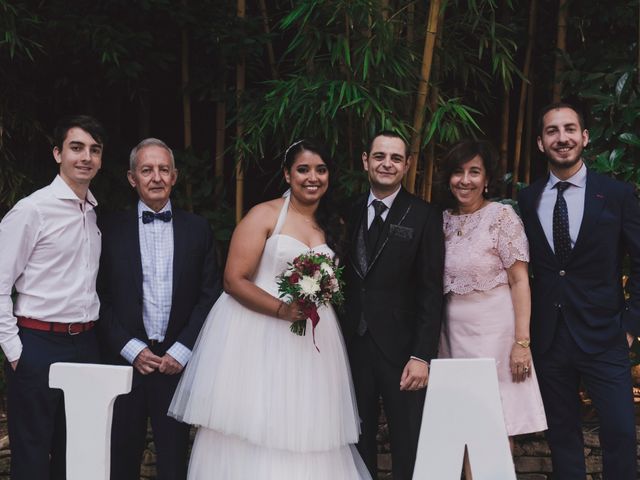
(157, 282)
(580, 226)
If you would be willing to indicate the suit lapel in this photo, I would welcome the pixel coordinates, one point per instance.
(179, 247)
(399, 209)
(132, 232)
(594, 200)
(359, 249)
(536, 192)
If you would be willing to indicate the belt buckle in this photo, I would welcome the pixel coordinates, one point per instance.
(69, 329)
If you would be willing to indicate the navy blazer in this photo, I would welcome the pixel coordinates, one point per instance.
(196, 282)
(399, 292)
(588, 288)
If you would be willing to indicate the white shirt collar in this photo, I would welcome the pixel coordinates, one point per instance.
(388, 200)
(143, 206)
(578, 179)
(63, 191)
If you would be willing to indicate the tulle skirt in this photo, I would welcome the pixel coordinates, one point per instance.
(270, 404)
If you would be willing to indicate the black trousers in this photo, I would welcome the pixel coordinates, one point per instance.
(149, 398)
(374, 377)
(607, 379)
(36, 416)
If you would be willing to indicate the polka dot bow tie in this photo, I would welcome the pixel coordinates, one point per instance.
(148, 217)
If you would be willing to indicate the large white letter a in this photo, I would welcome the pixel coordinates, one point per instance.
(463, 407)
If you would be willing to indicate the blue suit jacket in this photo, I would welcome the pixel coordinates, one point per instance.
(588, 288)
(196, 282)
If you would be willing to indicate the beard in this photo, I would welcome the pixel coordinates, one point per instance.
(566, 163)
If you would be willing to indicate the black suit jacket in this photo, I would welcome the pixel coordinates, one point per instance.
(587, 289)
(399, 293)
(196, 282)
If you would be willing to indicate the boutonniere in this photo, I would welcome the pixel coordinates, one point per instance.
(398, 231)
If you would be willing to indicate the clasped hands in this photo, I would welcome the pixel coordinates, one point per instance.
(147, 362)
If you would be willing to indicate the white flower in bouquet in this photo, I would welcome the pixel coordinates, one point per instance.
(326, 268)
(309, 286)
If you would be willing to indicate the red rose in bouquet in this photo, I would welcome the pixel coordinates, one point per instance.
(311, 279)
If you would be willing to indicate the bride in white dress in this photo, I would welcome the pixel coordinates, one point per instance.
(267, 403)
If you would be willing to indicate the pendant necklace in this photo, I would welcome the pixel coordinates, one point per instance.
(460, 231)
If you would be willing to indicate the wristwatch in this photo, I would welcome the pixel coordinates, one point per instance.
(524, 343)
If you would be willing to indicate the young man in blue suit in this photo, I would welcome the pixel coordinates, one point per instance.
(580, 226)
(157, 282)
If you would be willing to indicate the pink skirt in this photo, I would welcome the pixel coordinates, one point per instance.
(482, 325)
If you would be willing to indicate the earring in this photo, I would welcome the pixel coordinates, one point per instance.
(486, 189)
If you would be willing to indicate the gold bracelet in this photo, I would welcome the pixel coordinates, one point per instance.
(523, 343)
(278, 310)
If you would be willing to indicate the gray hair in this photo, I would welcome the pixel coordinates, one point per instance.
(148, 142)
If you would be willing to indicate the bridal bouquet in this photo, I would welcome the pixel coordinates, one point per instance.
(312, 279)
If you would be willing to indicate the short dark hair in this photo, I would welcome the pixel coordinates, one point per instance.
(390, 134)
(459, 154)
(87, 123)
(555, 106)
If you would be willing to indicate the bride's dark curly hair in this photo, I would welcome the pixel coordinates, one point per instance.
(326, 215)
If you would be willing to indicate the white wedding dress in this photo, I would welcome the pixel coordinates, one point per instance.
(268, 404)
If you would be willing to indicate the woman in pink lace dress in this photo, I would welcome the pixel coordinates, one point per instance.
(486, 284)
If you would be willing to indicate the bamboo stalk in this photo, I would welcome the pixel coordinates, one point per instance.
(384, 6)
(561, 48)
(504, 139)
(505, 114)
(423, 88)
(221, 119)
(186, 104)
(240, 85)
(430, 154)
(270, 53)
(411, 15)
(528, 137)
(523, 98)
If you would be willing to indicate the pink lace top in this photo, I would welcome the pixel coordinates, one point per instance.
(480, 246)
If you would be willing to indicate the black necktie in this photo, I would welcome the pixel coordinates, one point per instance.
(148, 217)
(561, 237)
(376, 227)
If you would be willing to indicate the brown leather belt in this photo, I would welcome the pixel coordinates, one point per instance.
(56, 327)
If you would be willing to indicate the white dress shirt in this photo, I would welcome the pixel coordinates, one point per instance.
(50, 250)
(573, 196)
(156, 254)
(388, 201)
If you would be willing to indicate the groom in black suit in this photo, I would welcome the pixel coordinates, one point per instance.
(393, 302)
(157, 282)
(580, 226)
